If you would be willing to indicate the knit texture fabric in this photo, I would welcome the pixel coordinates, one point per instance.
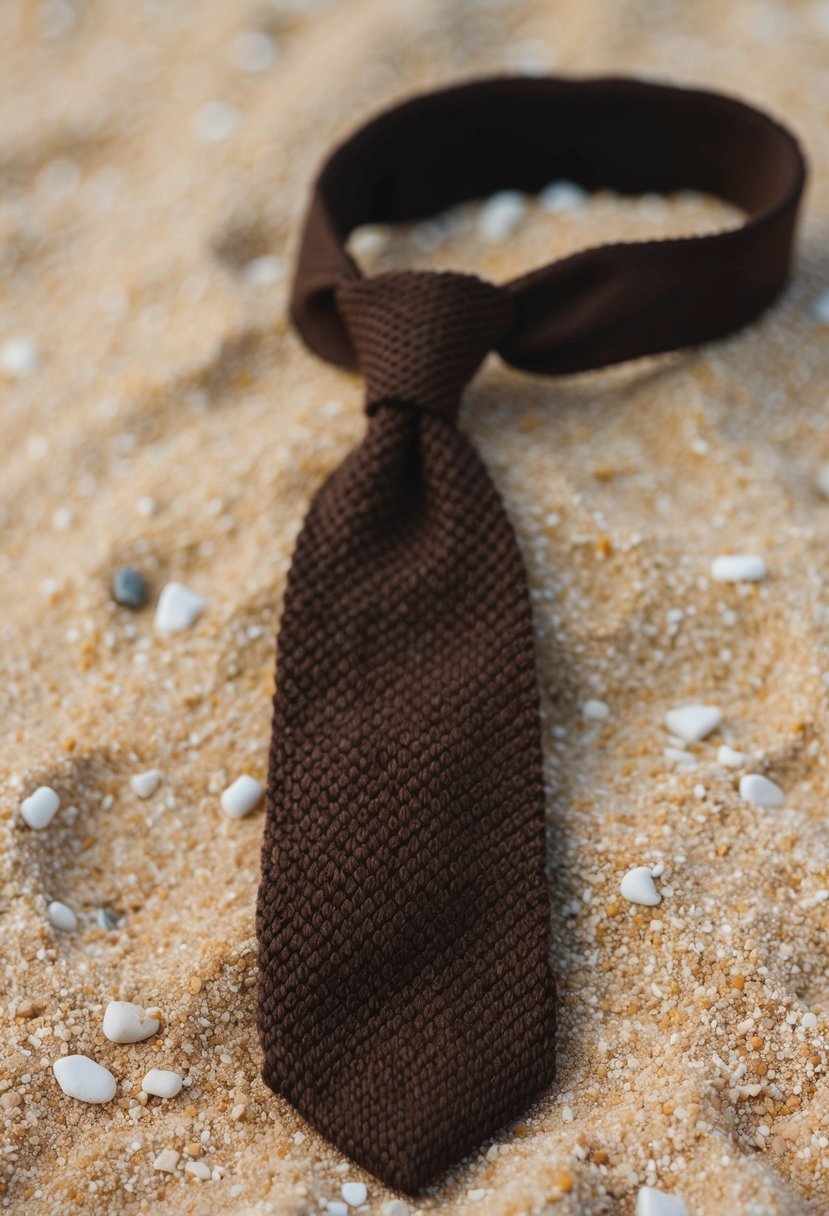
(406, 1003)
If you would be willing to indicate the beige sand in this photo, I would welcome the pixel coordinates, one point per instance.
(166, 374)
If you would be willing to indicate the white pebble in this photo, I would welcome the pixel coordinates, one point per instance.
(651, 1202)
(125, 1022)
(691, 723)
(738, 568)
(759, 791)
(729, 757)
(19, 357)
(254, 51)
(595, 711)
(162, 1083)
(679, 756)
(178, 608)
(38, 810)
(562, 196)
(820, 308)
(198, 1169)
(500, 215)
(82, 1078)
(145, 784)
(809, 1021)
(61, 917)
(215, 121)
(261, 272)
(167, 1160)
(354, 1193)
(335, 1208)
(369, 241)
(396, 1207)
(146, 507)
(638, 887)
(63, 519)
(242, 797)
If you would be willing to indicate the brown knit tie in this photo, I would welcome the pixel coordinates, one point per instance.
(406, 1001)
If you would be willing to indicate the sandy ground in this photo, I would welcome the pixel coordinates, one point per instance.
(133, 224)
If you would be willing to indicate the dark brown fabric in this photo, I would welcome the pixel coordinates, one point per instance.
(421, 337)
(406, 1004)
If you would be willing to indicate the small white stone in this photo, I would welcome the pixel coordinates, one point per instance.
(651, 1202)
(82, 1078)
(146, 507)
(261, 272)
(369, 240)
(638, 887)
(162, 1083)
(809, 1021)
(242, 797)
(820, 308)
(679, 756)
(738, 568)
(38, 810)
(215, 121)
(61, 917)
(254, 51)
(125, 1022)
(63, 519)
(729, 757)
(178, 608)
(396, 1207)
(595, 711)
(167, 1160)
(691, 723)
(336, 1208)
(562, 196)
(354, 1193)
(19, 357)
(198, 1169)
(759, 791)
(500, 215)
(145, 784)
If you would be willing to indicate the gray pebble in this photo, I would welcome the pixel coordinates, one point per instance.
(129, 588)
(105, 920)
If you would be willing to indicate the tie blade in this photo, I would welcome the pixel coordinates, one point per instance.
(406, 1005)
(441, 1070)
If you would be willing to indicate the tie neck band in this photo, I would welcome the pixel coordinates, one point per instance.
(601, 305)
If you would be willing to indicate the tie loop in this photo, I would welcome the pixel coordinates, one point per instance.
(420, 336)
(602, 305)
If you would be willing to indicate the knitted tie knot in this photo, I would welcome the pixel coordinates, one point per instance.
(420, 336)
